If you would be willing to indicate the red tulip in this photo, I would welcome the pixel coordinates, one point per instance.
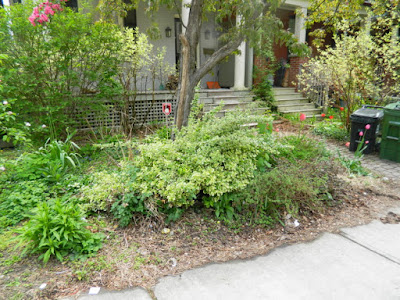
(331, 117)
(323, 115)
(302, 117)
(342, 109)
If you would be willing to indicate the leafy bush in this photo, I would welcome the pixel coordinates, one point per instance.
(333, 130)
(59, 157)
(10, 129)
(130, 203)
(19, 198)
(51, 69)
(299, 147)
(291, 188)
(100, 194)
(263, 91)
(213, 156)
(58, 229)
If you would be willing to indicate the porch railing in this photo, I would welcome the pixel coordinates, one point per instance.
(314, 85)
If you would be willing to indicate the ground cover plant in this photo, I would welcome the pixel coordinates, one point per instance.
(234, 183)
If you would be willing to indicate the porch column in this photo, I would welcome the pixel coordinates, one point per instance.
(185, 14)
(240, 63)
(249, 66)
(300, 30)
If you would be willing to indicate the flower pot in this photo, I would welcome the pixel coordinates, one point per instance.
(213, 85)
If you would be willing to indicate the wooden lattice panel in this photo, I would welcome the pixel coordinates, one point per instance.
(144, 110)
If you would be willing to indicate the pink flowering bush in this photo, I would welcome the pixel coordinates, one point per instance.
(58, 62)
(42, 13)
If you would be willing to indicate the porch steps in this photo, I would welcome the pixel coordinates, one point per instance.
(229, 99)
(288, 101)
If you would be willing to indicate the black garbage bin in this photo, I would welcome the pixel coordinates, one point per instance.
(368, 114)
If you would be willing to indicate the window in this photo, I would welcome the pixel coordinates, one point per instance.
(72, 4)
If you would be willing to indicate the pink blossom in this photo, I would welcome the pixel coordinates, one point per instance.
(302, 117)
(44, 18)
(366, 142)
(2, 168)
(48, 10)
(32, 19)
(277, 130)
(361, 133)
(367, 126)
(347, 144)
(5, 102)
(10, 112)
(35, 11)
(56, 7)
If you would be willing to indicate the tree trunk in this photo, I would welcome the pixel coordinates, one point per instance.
(182, 94)
(190, 75)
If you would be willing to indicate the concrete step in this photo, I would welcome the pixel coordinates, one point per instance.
(232, 99)
(288, 96)
(282, 91)
(226, 92)
(292, 97)
(228, 106)
(297, 106)
(291, 101)
(254, 111)
(302, 111)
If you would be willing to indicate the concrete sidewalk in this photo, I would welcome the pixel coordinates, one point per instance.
(358, 263)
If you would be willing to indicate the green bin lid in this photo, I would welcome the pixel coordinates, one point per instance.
(394, 106)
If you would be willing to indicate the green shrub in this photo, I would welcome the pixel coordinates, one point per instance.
(213, 156)
(263, 92)
(300, 147)
(58, 229)
(100, 194)
(51, 69)
(332, 130)
(291, 188)
(17, 200)
(130, 203)
(59, 158)
(51, 162)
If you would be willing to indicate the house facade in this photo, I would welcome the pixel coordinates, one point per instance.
(236, 71)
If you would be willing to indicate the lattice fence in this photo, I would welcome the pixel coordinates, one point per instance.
(143, 110)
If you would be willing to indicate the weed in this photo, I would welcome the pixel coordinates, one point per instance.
(58, 229)
(332, 130)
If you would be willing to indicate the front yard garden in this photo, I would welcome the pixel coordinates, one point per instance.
(121, 205)
(119, 213)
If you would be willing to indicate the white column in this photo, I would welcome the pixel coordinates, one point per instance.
(240, 63)
(300, 30)
(249, 66)
(6, 2)
(185, 14)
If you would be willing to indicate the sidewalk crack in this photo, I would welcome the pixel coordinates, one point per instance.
(366, 247)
